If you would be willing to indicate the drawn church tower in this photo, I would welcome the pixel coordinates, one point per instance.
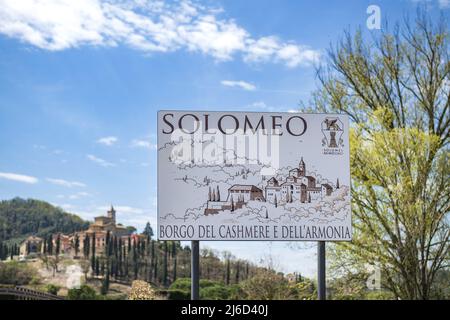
(302, 168)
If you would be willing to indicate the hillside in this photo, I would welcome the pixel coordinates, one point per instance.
(22, 217)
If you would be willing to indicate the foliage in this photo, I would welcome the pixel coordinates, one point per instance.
(20, 217)
(395, 89)
(83, 293)
(141, 290)
(266, 285)
(304, 290)
(215, 292)
(177, 294)
(13, 272)
(209, 290)
(52, 289)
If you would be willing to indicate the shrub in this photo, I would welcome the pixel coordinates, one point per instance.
(266, 285)
(141, 290)
(83, 293)
(181, 290)
(13, 272)
(177, 294)
(215, 292)
(52, 289)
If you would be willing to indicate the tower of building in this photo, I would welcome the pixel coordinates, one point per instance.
(112, 214)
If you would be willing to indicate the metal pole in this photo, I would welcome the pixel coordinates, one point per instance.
(321, 278)
(195, 270)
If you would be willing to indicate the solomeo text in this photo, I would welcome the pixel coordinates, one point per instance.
(227, 124)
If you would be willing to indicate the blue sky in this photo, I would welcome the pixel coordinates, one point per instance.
(81, 82)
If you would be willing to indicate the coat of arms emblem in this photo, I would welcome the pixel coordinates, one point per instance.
(332, 129)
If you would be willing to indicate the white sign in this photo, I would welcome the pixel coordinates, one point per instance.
(253, 176)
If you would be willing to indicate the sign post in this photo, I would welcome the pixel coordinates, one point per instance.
(195, 270)
(261, 176)
(321, 274)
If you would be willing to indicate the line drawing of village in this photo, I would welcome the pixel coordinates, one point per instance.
(239, 194)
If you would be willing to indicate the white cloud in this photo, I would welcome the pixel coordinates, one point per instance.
(108, 141)
(79, 195)
(65, 183)
(100, 161)
(18, 177)
(273, 49)
(241, 84)
(138, 143)
(154, 26)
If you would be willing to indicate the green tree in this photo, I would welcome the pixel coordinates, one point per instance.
(94, 244)
(50, 245)
(58, 244)
(148, 231)
(77, 245)
(165, 265)
(395, 89)
(105, 284)
(174, 259)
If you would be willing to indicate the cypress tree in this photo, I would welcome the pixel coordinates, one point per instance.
(97, 267)
(105, 284)
(77, 244)
(165, 264)
(93, 252)
(174, 257)
(58, 244)
(228, 272)
(50, 245)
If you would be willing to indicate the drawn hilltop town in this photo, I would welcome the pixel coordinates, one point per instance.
(297, 187)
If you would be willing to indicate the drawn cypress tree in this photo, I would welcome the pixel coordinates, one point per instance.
(218, 194)
(309, 198)
(209, 194)
(276, 201)
(267, 214)
(232, 205)
(337, 183)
